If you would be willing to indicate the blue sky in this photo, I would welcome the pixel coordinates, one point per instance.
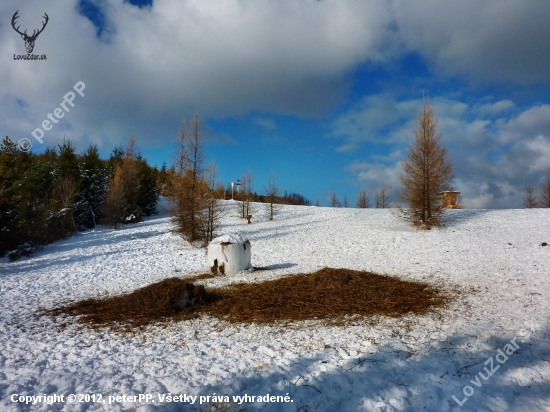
(323, 93)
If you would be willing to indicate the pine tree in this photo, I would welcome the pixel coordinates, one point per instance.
(94, 174)
(24, 186)
(67, 162)
(48, 164)
(163, 180)
(148, 190)
(115, 160)
(11, 196)
(426, 173)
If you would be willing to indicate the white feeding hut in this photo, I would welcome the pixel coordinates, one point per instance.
(229, 254)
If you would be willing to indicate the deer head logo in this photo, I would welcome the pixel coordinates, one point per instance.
(29, 40)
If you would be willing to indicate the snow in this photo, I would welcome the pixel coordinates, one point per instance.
(493, 257)
(229, 238)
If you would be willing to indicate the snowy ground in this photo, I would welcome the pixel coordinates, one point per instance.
(418, 363)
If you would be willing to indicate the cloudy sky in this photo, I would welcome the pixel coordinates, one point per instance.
(323, 93)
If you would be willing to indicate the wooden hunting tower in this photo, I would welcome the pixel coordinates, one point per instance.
(449, 200)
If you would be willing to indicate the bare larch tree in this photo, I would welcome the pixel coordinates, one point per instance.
(122, 194)
(346, 202)
(382, 198)
(333, 200)
(246, 194)
(531, 200)
(189, 187)
(363, 200)
(545, 191)
(426, 173)
(212, 207)
(272, 194)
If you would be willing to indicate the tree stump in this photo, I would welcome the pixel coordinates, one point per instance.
(191, 295)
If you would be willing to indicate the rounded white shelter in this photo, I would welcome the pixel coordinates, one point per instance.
(229, 254)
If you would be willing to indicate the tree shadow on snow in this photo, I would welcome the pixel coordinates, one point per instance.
(394, 379)
(276, 266)
(77, 249)
(455, 217)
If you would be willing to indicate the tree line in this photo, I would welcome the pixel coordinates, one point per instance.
(381, 199)
(50, 196)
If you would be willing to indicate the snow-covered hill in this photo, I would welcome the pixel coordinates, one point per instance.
(494, 257)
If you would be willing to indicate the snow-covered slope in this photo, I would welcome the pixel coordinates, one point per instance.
(494, 256)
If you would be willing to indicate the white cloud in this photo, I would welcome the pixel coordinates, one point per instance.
(541, 146)
(495, 108)
(396, 155)
(530, 123)
(158, 64)
(362, 123)
(486, 194)
(265, 123)
(225, 57)
(475, 196)
(370, 119)
(484, 40)
(347, 148)
(373, 175)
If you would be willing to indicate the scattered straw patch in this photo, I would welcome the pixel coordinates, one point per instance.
(154, 303)
(329, 294)
(326, 294)
(199, 277)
